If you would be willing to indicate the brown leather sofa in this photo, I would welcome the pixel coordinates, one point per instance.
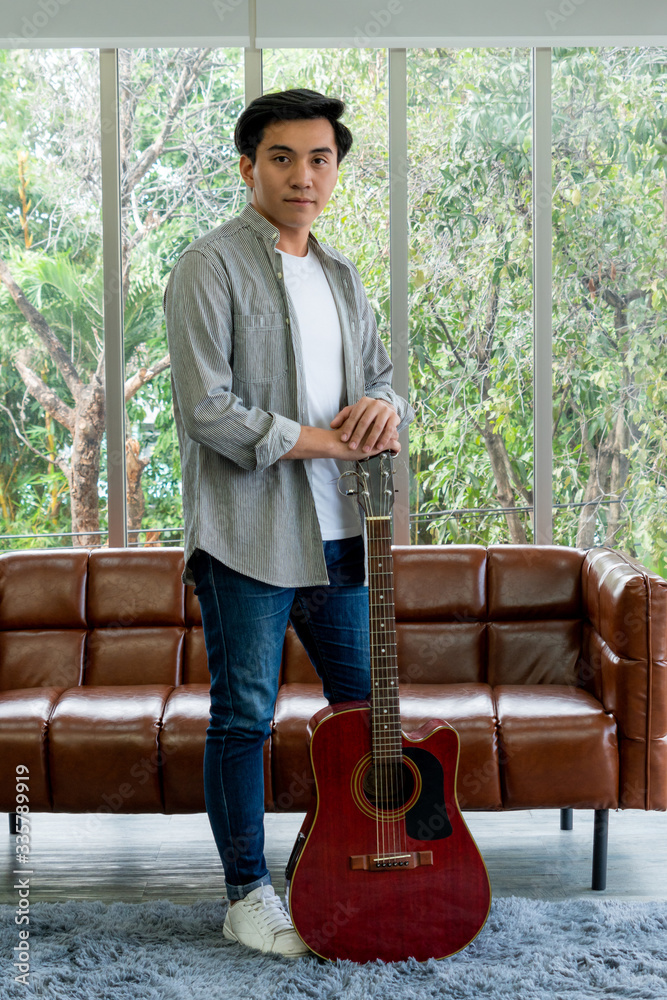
(550, 662)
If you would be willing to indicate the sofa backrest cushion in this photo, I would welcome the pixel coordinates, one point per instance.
(96, 617)
(464, 613)
(43, 628)
(506, 614)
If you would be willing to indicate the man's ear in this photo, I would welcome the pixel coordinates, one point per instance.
(246, 170)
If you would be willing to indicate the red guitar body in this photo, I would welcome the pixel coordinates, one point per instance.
(427, 898)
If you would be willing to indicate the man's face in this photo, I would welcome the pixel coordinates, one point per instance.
(295, 171)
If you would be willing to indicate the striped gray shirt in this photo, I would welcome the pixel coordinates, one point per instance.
(240, 399)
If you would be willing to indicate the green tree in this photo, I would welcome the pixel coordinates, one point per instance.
(51, 266)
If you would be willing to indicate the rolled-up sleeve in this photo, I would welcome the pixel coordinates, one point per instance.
(199, 317)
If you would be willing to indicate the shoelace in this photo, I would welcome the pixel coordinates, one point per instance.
(271, 911)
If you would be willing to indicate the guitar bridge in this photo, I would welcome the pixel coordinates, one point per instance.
(390, 862)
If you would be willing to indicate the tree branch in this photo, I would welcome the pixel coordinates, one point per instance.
(62, 465)
(40, 391)
(58, 353)
(445, 328)
(144, 375)
(188, 78)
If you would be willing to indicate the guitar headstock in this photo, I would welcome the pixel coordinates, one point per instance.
(375, 484)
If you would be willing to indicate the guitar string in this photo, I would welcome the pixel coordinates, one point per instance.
(384, 759)
(390, 768)
(380, 775)
(389, 708)
(376, 734)
(397, 768)
(389, 763)
(392, 658)
(375, 683)
(382, 738)
(388, 771)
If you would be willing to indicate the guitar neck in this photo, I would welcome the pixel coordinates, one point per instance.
(385, 709)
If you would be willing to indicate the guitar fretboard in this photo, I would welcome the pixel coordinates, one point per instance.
(385, 710)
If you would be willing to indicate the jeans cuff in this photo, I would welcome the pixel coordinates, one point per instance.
(241, 891)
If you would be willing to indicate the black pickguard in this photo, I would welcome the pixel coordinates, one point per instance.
(428, 819)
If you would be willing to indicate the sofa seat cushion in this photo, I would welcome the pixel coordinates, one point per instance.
(558, 748)
(182, 738)
(24, 722)
(292, 774)
(469, 708)
(104, 748)
(182, 741)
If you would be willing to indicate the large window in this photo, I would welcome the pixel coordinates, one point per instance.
(52, 429)
(179, 179)
(470, 143)
(610, 299)
(469, 184)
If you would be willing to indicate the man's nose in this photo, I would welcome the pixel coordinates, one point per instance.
(301, 175)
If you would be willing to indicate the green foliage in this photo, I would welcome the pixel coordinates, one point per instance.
(470, 269)
(610, 324)
(469, 123)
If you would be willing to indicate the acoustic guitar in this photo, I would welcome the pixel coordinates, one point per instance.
(384, 866)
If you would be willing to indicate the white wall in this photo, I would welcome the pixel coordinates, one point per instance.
(339, 23)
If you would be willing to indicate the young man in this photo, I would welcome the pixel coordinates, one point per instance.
(279, 379)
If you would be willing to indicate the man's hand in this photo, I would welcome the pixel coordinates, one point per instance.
(370, 423)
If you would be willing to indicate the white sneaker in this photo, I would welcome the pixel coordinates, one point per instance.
(260, 920)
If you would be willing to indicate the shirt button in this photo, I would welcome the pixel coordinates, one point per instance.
(280, 274)
(287, 320)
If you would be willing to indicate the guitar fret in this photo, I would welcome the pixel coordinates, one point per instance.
(385, 707)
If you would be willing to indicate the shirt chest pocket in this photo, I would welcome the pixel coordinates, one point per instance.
(260, 350)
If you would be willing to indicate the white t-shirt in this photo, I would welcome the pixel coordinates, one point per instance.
(322, 347)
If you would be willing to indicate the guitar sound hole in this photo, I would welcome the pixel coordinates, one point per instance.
(388, 785)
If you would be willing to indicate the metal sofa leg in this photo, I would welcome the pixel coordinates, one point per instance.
(600, 832)
(13, 826)
(566, 819)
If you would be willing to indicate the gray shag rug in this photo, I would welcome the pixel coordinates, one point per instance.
(569, 950)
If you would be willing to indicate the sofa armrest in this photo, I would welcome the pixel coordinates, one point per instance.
(624, 663)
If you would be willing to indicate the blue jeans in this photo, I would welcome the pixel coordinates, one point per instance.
(244, 624)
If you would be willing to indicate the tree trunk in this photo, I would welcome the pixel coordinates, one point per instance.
(600, 462)
(618, 475)
(494, 443)
(85, 469)
(497, 452)
(135, 494)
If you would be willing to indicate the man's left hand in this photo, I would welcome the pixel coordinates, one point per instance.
(370, 423)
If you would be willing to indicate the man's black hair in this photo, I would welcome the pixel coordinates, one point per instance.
(289, 105)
